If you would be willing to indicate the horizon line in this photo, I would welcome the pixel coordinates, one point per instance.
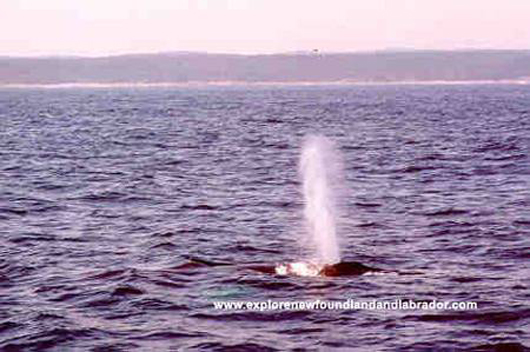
(315, 52)
(198, 84)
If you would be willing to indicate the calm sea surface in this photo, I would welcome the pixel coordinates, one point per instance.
(108, 197)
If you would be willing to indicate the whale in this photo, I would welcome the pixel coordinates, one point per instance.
(345, 268)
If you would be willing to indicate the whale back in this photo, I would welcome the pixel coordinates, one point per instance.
(346, 269)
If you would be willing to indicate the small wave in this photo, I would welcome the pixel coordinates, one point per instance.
(510, 144)
(446, 212)
(241, 248)
(126, 291)
(415, 169)
(300, 330)
(199, 207)
(273, 316)
(522, 222)
(452, 224)
(47, 339)
(242, 347)
(516, 156)
(33, 237)
(493, 317)
(159, 305)
(164, 245)
(105, 196)
(367, 204)
(514, 252)
(165, 234)
(280, 146)
(282, 286)
(107, 274)
(164, 335)
(15, 211)
(370, 224)
(9, 325)
(465, 280)
(501, 347)
(273, 120)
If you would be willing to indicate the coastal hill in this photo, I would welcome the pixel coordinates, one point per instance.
(182, 67)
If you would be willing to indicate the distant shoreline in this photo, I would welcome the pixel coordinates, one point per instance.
(199, 84)
(192, 70)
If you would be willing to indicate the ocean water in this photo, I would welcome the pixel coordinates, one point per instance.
(111, 198)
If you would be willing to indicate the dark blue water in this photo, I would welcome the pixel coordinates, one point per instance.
(106, 195)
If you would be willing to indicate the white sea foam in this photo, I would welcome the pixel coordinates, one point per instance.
(298, 269)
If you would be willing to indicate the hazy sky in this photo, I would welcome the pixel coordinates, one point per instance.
(100, 27)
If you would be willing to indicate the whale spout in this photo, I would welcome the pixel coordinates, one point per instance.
(320, 168)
